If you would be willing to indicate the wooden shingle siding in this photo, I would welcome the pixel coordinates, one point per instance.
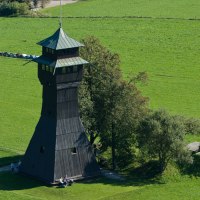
(59, 145)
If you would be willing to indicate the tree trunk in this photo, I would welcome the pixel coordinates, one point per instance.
(93, 137)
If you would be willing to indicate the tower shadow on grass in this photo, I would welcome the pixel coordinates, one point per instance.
(10, 181)
(10, 159)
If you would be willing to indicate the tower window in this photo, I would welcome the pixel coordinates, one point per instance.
(73, 150)
(47, 68)
(43, 67)
(68, 69)
(75, 68)
(51, 69)
(42, 149)
(63, 70)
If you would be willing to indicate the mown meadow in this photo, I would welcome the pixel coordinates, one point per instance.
(138, 8)
(167, 49)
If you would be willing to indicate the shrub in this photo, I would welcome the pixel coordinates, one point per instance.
(192, 168)
(196, 162)
(161, 137)
(13, 8)
(192, 126)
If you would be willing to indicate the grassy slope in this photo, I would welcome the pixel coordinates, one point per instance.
(167, 49)
(145, 8)
(89, 190)
(175, 191)
(20, 103)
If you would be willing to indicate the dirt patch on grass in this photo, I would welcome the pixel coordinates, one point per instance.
(57, 3)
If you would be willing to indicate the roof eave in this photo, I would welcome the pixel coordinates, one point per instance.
(57, 48)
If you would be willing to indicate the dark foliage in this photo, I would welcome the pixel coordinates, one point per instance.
(193, 168)
(147, 170)
(13, 8)
(19, 7)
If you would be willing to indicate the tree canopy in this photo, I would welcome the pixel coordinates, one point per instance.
(111, 107)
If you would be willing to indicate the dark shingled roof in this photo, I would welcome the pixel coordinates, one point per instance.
(65, 62)
(59, 40)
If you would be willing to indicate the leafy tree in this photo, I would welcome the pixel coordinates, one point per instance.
(161, 136)
(114, 106)
(13, 8)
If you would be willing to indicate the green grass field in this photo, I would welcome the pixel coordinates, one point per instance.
(171, 63)
(120, 8)
(168, 50)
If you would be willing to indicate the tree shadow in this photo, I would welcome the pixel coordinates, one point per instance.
(147, 174)
(148, 171)
(129, 181)
(190, 170)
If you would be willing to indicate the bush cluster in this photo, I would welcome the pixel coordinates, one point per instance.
(197, 161)
(192, 126)
(13, 8)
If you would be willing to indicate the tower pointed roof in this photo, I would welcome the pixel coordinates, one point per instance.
(60, 40)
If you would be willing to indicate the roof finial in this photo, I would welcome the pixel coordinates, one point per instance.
(60, 22)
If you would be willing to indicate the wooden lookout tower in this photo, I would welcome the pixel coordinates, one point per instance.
(59, 146)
